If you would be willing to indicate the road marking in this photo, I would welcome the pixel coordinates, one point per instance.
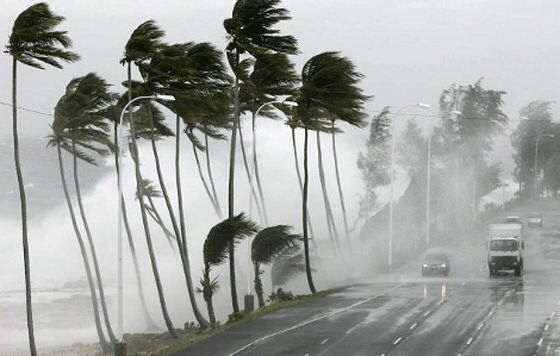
(299, 325)
(413, 326)
(469, 340)
(540, 342)
(307, 354)
(322, 342)
(480, 326)
(491, 313)
(546, 327)
(397, 341)
(441, 302)
(427, 313)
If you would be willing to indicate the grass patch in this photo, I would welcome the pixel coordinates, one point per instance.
(164, 344)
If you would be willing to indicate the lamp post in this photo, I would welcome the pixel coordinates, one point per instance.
(254, 168)
(120, 140)
(392, 189)
(537, 159)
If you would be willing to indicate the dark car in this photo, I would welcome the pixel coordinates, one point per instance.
(535, 220)
(435, 262)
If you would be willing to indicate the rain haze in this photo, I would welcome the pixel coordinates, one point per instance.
(446, 245)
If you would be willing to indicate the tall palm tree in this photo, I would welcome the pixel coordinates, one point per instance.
(216, 250)
(142, 44)
(327, 90)
(268, 244)
(195, 74)
(83, 105)
(250, 29)
(78, 126)
(33, 42)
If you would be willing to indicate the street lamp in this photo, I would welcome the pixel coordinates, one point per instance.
(537, 158)
(254, 167)
(392, 189)
(119, 214)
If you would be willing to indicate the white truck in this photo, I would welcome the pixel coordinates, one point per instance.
(505, 248)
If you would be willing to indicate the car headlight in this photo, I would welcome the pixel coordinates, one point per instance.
(425, 265)
(443, 265)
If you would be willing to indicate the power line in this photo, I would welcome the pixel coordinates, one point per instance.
(26, 109)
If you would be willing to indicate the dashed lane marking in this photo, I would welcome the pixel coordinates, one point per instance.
(480, 326)
(322, 342)
(469, 340)
(540, 342)
(413, 326)
(546, 327)
(299, 325)
(427, 313)
(397, 341)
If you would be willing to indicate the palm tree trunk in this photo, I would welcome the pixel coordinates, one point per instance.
(187, 265)
(231, 188)
(92, 250)
(339, 185)
(304, 214)
(140, 189)
(204, 183)
(210, 178)
(258, 285)
(333, 233)
(256, 167)
(253, 193)
(150, 324)
(207, 292)
(23, 202)
(93, 294)
(154, 214)
(296, 161)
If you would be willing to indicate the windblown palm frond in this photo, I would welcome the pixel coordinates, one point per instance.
(81, 122)
(216, 246)
(34, 41)
(329, 90)
(271, 242)
(251, 27)
(143, 42)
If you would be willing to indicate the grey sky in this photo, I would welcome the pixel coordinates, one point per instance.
(409, 50)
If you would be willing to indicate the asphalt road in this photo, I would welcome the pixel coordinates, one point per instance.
(403, 313)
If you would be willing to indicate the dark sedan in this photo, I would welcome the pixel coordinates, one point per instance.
(435, 263)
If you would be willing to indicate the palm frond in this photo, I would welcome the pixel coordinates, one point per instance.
(232, 230)
(143, 42)
(34, 41)
(272, 242)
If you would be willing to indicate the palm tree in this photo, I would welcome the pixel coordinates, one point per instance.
(194, 73)
(216, 250)
(250, 29)
(83, 104)
(33, 42)
(327, 90)
(78, 122)
(268, 244)
(143, 42)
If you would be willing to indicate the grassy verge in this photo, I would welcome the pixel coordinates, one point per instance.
(164, 344)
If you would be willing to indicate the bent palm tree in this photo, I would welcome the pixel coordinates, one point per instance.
(216, 250)
(143, 42)
(33, 42)
(268, 244)
(327, 90)
(250, 29)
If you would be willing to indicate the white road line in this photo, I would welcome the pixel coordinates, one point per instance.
(427, 313)
(342, 310)
(397, 341)
(441, 302)
(546, 327)
(322, 342)
(307, 354)
(480, 326)
(413, 326)
(469, 340)
(540, 342)
(491, 313)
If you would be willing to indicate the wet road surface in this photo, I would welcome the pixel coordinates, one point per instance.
(401, 313)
